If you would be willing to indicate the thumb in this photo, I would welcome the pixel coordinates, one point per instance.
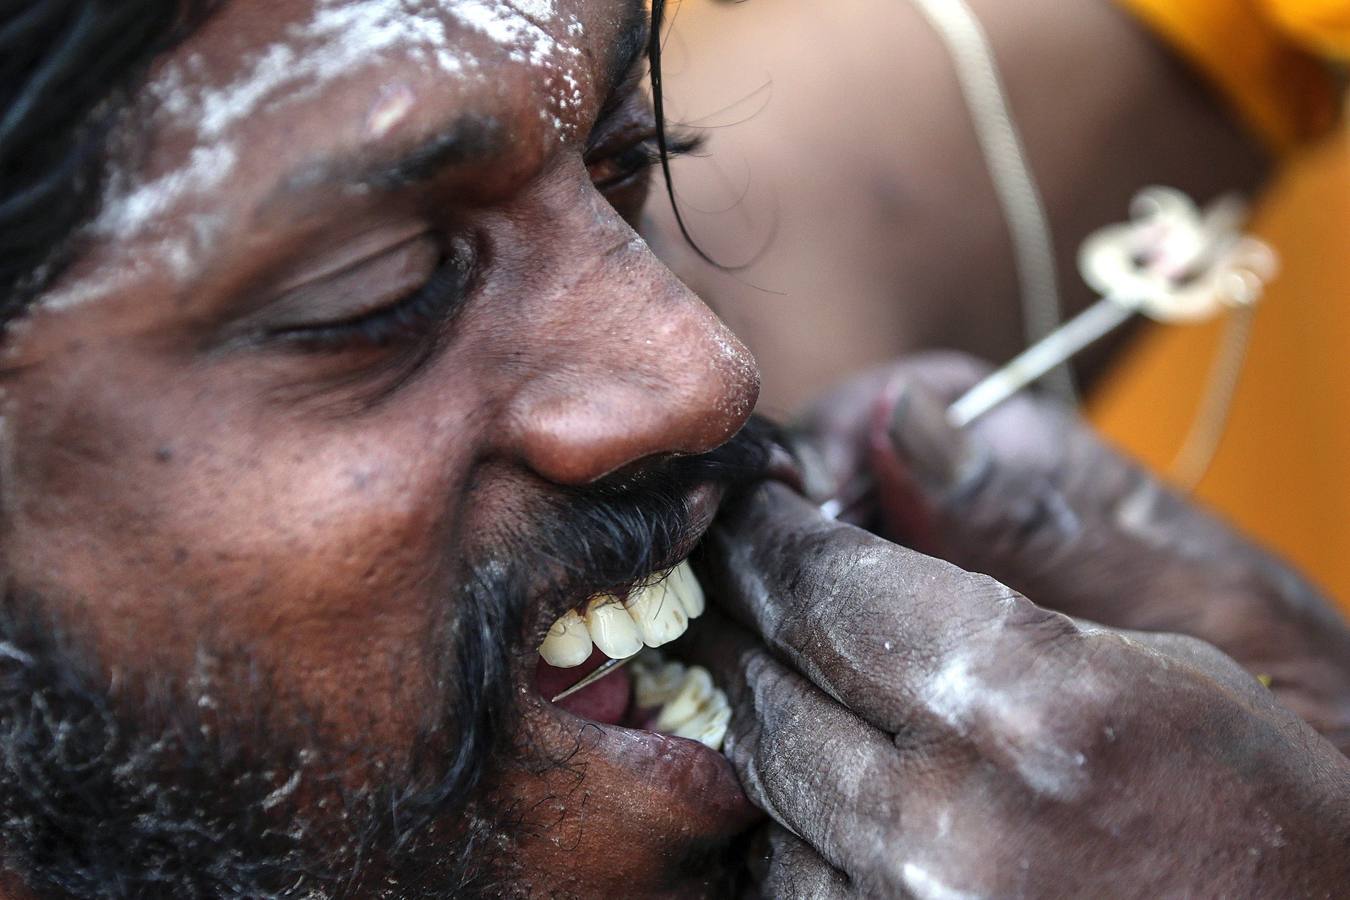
(1031, 496)
(1026, 495)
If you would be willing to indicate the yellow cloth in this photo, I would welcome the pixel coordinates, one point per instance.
(1321, 25)
(1283, 472)
(1265, 56)
(1284, 468)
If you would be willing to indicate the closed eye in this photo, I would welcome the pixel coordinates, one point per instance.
(425, 285)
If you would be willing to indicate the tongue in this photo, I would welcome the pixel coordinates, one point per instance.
(605, 702)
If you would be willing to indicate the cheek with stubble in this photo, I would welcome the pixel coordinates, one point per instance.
(164, 529)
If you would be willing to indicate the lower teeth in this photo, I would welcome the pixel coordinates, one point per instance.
(687, 703)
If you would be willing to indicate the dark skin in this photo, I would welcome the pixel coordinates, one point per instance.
(975, 718)
(199, 444)
(962, 738)
(1031, 497)
(195, 446)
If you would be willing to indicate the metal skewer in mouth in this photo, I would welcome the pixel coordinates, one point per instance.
(606, 668)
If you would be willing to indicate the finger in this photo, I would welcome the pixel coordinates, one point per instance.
(818, 770)
(1032, 497)
(872, 624)
(788, 867)
(834, 434)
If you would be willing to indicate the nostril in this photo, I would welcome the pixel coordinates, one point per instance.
(654, 378)
(638, 468)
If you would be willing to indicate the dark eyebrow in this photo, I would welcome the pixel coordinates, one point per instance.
(470, 139)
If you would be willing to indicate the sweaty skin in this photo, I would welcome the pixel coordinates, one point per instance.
(214, 437)
(196, 449)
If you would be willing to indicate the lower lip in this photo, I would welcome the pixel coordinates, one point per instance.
(687, 767)
(684, 765)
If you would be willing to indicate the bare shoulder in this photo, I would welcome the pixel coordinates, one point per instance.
(842, 159)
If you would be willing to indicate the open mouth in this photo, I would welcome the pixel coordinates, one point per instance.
(654, 692)
(652, 731)
(649, 733)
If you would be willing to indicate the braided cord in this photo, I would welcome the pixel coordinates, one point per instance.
(1006, 158)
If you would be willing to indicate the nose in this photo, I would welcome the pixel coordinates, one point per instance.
(636, 366)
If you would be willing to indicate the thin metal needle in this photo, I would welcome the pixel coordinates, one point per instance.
(606, 668)
(1056, 348)
(1092, 324)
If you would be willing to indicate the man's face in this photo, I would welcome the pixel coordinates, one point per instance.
(359, 318)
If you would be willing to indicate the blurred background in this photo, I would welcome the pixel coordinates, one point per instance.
(845, 197)
(843, 192)
(1283, 469)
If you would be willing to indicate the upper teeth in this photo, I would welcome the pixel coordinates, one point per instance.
(568, 643)
(654, 614)
(612, 628)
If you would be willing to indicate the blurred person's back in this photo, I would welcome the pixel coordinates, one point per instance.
(842, 153)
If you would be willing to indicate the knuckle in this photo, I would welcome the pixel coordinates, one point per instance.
(839, 582)
(1037, 519)
(986, 607)
(1198, 656)
(1053, 678)
(997, 594)
(1108, 674)
(1012, 513)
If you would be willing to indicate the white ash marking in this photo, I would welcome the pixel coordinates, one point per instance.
(961, 698)
(924, 885)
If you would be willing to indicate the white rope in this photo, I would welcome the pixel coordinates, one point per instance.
(1005, 156)
(1202, 442)
(1033, 242)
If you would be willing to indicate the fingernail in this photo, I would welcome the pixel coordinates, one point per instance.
(935, 451)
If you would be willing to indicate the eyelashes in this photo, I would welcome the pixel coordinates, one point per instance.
(682, 141)
(421, 315)
(622, 168)
(416, 316)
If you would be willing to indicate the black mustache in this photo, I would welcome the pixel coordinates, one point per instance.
(601, 537)
(95, 796)
(612, 534)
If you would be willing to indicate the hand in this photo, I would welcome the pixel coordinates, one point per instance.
(1032, 497)
(917, 730)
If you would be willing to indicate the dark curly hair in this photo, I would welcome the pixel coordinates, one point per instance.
(66, 66)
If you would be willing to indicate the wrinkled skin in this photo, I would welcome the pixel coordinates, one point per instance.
(918, 730)
(199, 450)
(1035, 499)
(180, 471)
